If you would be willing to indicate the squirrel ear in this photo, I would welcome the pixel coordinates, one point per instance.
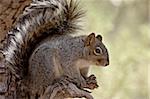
(90, 39)
(99, 37)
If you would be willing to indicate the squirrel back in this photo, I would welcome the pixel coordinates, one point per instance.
(39, 20)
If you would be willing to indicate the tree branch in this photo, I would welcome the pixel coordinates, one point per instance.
(65, 88)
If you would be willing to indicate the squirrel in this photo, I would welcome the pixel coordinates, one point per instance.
(40, 47)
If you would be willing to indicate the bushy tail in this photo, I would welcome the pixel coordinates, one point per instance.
(41, 19)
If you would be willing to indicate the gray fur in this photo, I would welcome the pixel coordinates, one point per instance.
(61, 55)
(41, 19)
(66, 50)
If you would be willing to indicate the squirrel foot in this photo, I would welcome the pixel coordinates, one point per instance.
(91, 82)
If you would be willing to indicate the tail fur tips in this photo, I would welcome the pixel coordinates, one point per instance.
(41, 19)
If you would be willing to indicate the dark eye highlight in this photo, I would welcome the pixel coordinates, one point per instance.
(98, 51)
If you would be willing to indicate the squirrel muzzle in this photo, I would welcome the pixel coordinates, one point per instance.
(103, 62)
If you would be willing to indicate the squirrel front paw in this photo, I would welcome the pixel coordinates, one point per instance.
(91, 82)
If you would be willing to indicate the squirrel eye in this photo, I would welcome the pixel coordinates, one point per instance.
(98, 51)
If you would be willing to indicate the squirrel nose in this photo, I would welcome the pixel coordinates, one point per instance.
(106, 62)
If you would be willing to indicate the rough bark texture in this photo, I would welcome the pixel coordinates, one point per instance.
(9, 12)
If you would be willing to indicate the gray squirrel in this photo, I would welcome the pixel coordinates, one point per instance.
(40, 47)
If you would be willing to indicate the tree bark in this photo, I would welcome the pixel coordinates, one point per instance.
(9, 12)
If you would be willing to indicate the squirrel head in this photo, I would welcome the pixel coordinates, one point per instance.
(95, 51)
